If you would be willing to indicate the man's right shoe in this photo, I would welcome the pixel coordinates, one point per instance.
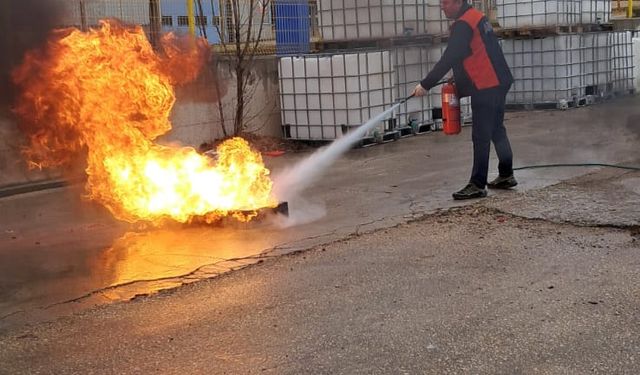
(503, 183)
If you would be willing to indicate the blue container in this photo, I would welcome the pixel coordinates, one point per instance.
(292, 27)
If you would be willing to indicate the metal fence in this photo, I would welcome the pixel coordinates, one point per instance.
(289, 23)
(321, 94)
(87, 13)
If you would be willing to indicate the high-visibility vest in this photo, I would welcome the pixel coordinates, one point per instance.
(478, 65)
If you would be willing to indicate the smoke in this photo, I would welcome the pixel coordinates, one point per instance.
(291, 182)
(608, 133)
(304, 212)
(24, 25)
(633, 125)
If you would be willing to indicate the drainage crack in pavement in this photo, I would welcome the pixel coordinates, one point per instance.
(357, 231)
(179, 278)
(414, 205)
(266, 254)
(629, 227)
(11, 314)
(133, 282)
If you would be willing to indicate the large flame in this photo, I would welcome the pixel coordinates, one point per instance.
(106, 95)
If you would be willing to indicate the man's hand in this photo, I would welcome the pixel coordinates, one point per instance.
(419, 91)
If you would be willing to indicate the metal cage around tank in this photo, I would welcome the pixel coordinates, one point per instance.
(323, 95)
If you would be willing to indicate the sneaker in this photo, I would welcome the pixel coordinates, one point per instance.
(469, 192)
(503, 183)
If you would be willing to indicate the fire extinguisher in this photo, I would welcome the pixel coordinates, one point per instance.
(450, 110)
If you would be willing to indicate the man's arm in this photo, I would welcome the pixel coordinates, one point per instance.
(458, 48)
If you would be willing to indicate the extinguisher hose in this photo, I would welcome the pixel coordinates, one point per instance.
(407, 98)
(627, 167)
(412, 95)
(441, 82)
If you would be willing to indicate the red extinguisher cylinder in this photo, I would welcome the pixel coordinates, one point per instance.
(450, 110)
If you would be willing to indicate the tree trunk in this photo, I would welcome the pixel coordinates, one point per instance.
(220, 108)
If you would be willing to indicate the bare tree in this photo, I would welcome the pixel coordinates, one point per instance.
(240, 28)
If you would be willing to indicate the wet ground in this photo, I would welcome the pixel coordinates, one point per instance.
(60, 255)
(477, 289)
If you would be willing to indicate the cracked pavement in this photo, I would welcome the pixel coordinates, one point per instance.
(59, 256)
(471, 289)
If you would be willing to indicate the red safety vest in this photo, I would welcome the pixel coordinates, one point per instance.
(478, 66)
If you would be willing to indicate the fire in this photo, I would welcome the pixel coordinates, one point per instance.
(105, 95)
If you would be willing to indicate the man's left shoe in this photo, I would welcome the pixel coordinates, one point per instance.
(503, 182)
(469, 192)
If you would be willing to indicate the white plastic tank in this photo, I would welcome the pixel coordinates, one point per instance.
(437, 23)
(367, 19)
(322, 93)
(410, 66)
(514, 14)
(636, 63)
(595, 60)
(545, 70)
(596, 11)
(622, 60)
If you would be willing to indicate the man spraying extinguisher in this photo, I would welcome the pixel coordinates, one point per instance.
(480, 71)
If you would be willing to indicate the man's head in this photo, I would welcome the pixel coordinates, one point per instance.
(451, 8)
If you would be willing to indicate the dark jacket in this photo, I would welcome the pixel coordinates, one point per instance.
(459, 48)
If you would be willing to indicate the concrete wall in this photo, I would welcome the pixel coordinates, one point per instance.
(13, 168)
(196, 116)
(195, 119)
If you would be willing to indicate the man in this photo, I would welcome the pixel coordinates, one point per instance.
(480, 71)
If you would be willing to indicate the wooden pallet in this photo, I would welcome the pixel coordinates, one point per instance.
(541, 32)
(576, 102)
(533, 106)
(389, 136)
(376, 43)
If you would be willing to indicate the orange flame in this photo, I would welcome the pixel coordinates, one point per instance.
(105, 94)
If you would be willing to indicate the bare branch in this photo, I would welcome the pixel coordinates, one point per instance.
(237, 26)
(249, 26)
(221, 18)
(264, 3)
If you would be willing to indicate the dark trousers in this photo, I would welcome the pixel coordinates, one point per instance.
(488, 126)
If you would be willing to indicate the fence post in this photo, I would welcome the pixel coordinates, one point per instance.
(83, 16)
(191, 17)
(154, 22)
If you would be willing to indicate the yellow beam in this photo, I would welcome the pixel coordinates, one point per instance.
(192, 18)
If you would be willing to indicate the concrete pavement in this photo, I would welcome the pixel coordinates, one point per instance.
(60, 255)
(472, 290)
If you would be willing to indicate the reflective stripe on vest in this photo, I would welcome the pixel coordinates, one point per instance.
(478, 66)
